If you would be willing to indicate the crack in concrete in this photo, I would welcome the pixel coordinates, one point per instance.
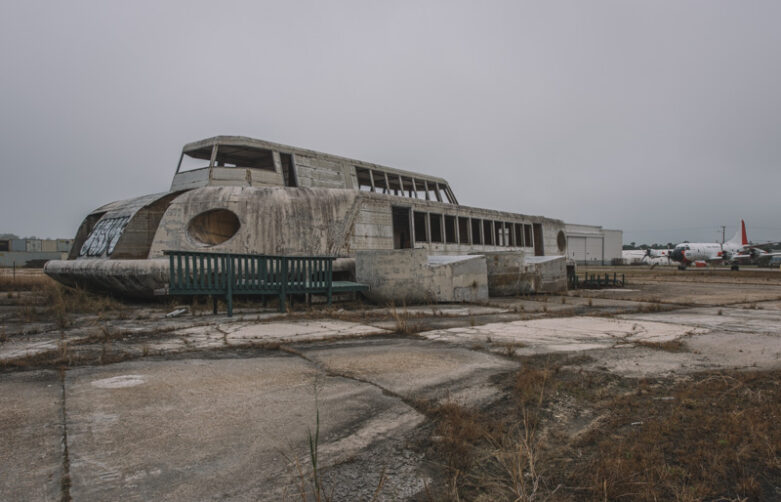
(65, 479)
(412, 403)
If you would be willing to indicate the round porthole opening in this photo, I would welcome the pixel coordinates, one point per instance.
(213, 227)
(561, 240)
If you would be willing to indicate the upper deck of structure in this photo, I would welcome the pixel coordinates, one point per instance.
(242, 161)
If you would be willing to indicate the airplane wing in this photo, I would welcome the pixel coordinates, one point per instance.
(765, 258)
(761, 256)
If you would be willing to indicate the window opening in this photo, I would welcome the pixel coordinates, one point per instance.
(394, 184)
(421, 235)
(288, 171)
(499, 232)
(463, 230)
(365, 179)
(436, 192)
(380, 181)
(450, 229)
(527, 235)
(435, 223)
(401, 227)
(487, 233)
(244, 157)
(519, 234)
(477, 236)
(409, 186)
(538, 248)
(190, 163)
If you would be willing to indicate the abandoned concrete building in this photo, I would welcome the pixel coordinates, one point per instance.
(240, 195)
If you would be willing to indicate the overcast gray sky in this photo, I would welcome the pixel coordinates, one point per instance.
(661, 118)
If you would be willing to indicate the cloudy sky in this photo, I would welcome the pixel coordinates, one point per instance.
(661, 118)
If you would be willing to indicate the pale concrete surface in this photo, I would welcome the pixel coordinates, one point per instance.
(416, 369)
(723, 319)
(563, 334)
(217, 429)
(31, 436)
(713, 338)
(213, 334)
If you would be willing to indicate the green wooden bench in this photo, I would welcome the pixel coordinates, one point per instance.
(227, 274)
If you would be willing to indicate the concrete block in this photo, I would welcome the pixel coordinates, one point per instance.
(410, 276)
(546, 274)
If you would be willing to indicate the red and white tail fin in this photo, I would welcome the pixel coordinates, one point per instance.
(743, 228)
(740, 236)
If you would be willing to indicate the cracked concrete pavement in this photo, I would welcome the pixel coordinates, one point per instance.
(210, 408)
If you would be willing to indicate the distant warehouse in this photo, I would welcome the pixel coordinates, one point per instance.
(593, 245)
(32, 252)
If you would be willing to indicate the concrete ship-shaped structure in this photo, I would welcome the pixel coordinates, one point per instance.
(235, 194)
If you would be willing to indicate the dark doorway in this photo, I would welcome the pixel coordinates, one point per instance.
(401, 228)
(538, 249)
(287, 170)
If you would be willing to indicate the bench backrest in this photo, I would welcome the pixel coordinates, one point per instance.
(216, 273)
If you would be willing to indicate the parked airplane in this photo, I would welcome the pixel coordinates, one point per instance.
(735, 251)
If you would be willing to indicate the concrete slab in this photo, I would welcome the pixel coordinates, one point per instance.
(416, 369)
(213, 335)
(722, 319)
(216, 429)
(31, 456)
(562, 334)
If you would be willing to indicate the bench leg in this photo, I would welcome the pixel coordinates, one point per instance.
(229, 299)
(214, 300)
(282, 306)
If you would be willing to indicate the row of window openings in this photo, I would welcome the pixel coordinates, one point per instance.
(432, 227)
(370, 180)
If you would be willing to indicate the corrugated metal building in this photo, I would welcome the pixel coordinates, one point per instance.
(32, 252)
(590, 244)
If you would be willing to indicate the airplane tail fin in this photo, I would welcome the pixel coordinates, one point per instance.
(740, 236)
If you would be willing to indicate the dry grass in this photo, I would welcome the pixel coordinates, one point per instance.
(403, 320)
(45, 300)
(489, 456)
(717, 438)
(710, 437)
(23, 281)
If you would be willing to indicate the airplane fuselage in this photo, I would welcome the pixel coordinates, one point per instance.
(687, 253)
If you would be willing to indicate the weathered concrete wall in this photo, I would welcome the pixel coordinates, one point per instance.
(544, 274)
(511, 273)
(406, 276)
(505, 272)
(272, 220)
(373, 227)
